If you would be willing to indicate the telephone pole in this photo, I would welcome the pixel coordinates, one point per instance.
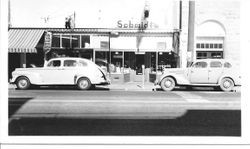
(9, 15)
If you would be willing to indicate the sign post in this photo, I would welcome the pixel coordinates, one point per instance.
(47, 44)
(143, 76)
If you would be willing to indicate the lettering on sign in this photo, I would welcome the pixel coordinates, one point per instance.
(131, 25)
(47, 42)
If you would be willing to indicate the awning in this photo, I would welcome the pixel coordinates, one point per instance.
(24, 40)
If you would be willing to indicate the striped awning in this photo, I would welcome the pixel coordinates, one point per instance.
(24, 40)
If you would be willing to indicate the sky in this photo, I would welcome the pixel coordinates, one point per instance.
(89, 13)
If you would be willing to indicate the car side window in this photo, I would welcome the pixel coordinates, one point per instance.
(200, 65)
(70, 63)
(215, 64)
(227, 65)
(82, 64)
(55, 63)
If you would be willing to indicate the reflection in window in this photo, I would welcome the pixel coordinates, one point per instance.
(75, 41)
(56, 41)
(216, 55)
(200, 65)
(102, 59)
(56, 63)
(85, 41)
(215, 64)
(82, 64)
(227, 65)
(69, 63)
(66, 41)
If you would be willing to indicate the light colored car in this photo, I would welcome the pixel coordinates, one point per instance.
(61, 71)
(206, 72)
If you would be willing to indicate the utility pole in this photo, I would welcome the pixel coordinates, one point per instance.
(9, 15)
(191, 20)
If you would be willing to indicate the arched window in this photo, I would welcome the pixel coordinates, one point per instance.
(210, 37)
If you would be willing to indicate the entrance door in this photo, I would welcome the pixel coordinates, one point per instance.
(139, 61)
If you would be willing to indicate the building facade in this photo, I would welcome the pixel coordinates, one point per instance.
(127, 51)
(216, 30)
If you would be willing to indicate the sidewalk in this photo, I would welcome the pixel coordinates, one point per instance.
(132, 86)
(137, 86)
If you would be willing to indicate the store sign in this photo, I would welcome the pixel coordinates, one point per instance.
(47, 42)
(132, 25)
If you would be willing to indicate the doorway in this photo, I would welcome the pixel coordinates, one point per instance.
(139, 61)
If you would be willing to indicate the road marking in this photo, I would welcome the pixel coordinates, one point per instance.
(189, 97)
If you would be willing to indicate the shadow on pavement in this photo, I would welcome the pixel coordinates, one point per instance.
(96, 88)
(193, 123)
(182, 88)
(16, 103)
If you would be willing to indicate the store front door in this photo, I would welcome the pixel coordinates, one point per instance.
(139, 61)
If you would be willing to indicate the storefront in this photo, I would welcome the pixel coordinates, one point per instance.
(122, 53)
(126, 54)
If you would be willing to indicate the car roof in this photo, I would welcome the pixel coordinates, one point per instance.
(69, 58)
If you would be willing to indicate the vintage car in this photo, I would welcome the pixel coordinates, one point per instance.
(206, 72)
(61, 71)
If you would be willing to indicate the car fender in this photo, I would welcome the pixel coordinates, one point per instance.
(78, 76)
(33, 77)
(235, 79)
(180, 79)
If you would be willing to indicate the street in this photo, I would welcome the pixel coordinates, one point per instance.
(66, 111)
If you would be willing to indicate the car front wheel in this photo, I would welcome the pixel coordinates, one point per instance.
(226, 84)
(168, 84)
(83, 84)
(23, 83)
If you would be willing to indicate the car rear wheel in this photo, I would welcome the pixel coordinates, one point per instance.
(226, 84)
(83, 84)
(168, 84)
(23, 83)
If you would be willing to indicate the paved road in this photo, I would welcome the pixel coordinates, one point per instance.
(103, 112)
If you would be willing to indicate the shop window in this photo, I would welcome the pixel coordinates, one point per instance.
(129, 60)
(104, 44)
(85, 41)
(116, 62)
(102, 59)
(56, 41)
(75, 41)
(166, 60)
(152, 65)
(215, 64)
(66, 41)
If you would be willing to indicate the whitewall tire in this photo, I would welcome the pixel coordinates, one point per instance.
(23, 83)
(168, 84)
(83, 84)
